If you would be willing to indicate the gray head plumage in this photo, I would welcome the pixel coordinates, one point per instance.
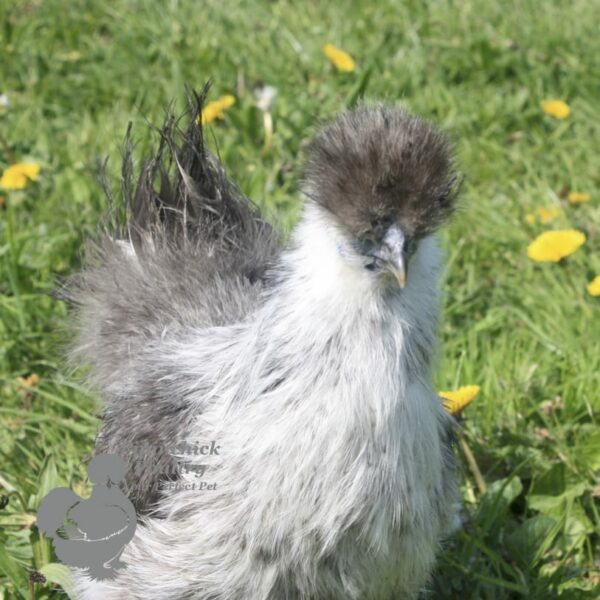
(375, 166)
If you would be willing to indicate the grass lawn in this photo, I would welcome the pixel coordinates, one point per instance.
(75, 73)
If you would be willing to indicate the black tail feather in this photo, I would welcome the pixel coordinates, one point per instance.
(182, 248)
(195, 200)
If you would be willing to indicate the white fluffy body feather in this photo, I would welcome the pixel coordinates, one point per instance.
(333, 478)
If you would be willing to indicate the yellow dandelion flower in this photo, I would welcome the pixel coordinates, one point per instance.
(31, 380)
(552, 246)
(341, 60)
(593, 287)
(556, 108)
(548, 214)
(214, 110)
(16, 176)
(456, 400)
(530, 218)
(578, 197)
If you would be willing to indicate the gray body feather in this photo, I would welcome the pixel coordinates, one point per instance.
(192, 254)
(334, 476)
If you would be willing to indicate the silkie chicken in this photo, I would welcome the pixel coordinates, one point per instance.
(305, 365)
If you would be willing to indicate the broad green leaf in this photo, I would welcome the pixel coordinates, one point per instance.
(11, 569)
(48, 480)
(530, 540)
(548, 505)
(577, 526)
(41, 547)
(552, 483)
(497, 500)
(588, 451)
(22, 519)
(59, 574)
(555, 505)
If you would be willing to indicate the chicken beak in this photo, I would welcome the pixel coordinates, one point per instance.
(398, 268)
(394, 253)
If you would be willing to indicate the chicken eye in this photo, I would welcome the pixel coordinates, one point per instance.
(374, 265)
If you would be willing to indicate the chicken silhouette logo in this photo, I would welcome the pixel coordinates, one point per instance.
(91, 533)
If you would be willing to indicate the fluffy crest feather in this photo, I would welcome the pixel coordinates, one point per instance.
(378, 165)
